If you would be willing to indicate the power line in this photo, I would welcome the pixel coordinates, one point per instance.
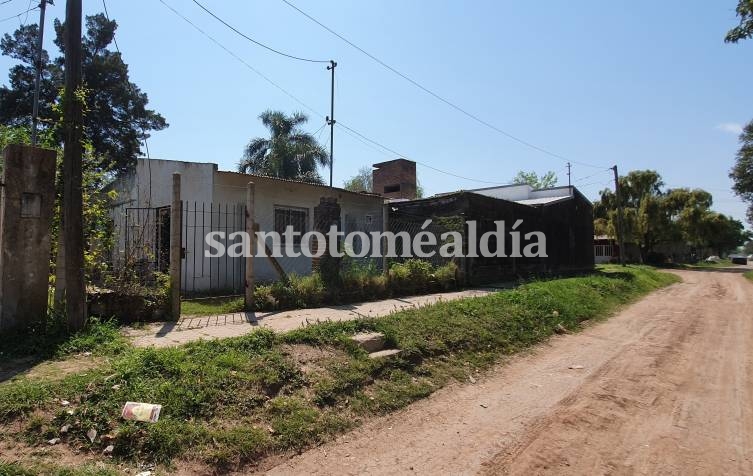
(416, 161)
(133, 91)
(592, 175)
(436, 95)
(254, 41)
(19, 15)
(241, 60)
(5, 1)
(299, 101)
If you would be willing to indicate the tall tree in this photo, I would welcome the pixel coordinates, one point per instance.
(547, 180)
(742, 172)
(654, 215)
(744, 30)
(116, 116)
(288, 153)
(360, 182)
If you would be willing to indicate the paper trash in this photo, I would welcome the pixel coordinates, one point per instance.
(141, 411)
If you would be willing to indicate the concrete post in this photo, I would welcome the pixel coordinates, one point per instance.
(176, 220)
(28, 199)
(385, 229)
(250, 229)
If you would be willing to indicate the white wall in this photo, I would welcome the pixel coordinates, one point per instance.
(150, 186)
(271, 193)
(203, 186)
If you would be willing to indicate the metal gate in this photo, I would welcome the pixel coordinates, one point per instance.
(147, 241)
(202, 275)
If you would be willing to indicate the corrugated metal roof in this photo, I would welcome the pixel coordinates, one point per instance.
(313, 184)
(542, 200)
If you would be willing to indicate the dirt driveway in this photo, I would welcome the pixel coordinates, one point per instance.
(664, 387)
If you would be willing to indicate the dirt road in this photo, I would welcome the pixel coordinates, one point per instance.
(666, 387)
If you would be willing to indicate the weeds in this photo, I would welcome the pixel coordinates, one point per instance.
(232, 401)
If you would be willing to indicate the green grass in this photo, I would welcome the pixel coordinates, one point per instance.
(211, 306)
(723, 263)
(749, 275)
(15, 469)
(233, 401)
(53, 340)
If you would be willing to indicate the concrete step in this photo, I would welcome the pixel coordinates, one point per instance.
(384, 353)
(369, 341)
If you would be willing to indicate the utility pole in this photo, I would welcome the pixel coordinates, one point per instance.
(75, 297)
(38, 78)
(331, 120)
(620, 229)
(568, 174)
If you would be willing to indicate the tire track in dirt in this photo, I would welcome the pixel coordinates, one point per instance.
(666, 388)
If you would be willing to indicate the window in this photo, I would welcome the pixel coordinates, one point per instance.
(391, 188)
(295, 217)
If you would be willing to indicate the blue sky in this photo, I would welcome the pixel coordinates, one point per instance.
(641, 84)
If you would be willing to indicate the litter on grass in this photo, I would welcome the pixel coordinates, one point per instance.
(138, 411)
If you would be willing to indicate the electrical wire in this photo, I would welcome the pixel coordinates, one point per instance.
(591, 176)
(19, 15)
(309, 60)
(340, 123)
(241, 60)
(133, 91)
(5, 1)
(436, 95)
(299, 101)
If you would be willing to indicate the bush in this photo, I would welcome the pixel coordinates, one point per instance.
(299, 292)
(445, 276)
(360, 281)
(415, 276)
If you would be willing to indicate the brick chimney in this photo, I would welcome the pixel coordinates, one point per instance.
(395, 179)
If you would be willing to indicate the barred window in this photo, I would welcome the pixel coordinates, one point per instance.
(289, 216)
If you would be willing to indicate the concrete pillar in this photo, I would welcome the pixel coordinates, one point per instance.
(28, 200)
(176, 220)
(250, 230)
(326, 214)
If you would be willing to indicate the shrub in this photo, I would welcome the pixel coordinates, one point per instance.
(411, 276)
(299, 291)
(264, 299)
(445, 276)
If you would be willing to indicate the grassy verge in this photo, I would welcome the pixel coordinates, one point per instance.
(53, 340)
(211, 306)
(231, 402)
(749, 275)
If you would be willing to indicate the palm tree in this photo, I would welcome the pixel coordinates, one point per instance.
(289, 153)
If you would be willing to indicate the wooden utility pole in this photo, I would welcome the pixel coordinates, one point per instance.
(38, 77)
(176, 247)
(75, 295)
(620, 229)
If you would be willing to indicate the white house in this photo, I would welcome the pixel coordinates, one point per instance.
(214, 200)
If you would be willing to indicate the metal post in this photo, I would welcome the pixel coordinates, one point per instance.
(75, 294)
(38, 78)
(176, 217)
(250, 230)
(331, 120)
(385, 229)
(620, 228)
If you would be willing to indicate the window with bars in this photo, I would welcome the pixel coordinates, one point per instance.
(290, 216)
